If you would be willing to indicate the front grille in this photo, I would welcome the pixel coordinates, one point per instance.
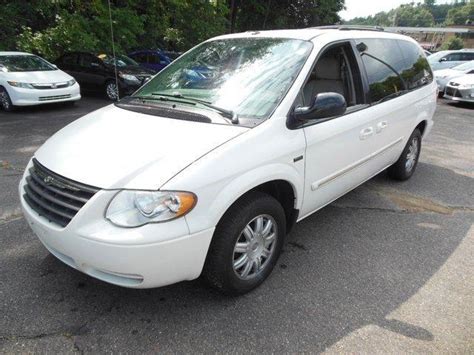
(54, 197)
(56, 97)
(51, 86)
(451, 91)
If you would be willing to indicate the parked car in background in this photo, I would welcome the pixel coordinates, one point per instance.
(443, 76)
(95, 72)
(460, 89)
(152, 59)
(175, 181)
(26, 80)
(450, 59)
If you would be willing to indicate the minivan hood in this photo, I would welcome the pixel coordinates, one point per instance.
(113, 148)
(38, 77)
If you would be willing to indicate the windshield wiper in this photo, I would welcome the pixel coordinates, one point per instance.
(224, 112)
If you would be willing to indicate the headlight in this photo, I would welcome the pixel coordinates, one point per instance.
(132, 208)
(467, 86)
(20, 85)
(71, 82)
(129, 77)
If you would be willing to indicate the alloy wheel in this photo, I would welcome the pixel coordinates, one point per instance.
(254, 247)
(4, 100)
(412, 155)
(112, 91)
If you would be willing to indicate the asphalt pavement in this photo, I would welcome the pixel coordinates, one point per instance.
(388, 268)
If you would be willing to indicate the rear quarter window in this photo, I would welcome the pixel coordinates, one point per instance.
(416, 71)
(393, 66)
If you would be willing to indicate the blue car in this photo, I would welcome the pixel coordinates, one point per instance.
(153, 59)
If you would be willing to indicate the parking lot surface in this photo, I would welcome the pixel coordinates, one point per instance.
(387, 268)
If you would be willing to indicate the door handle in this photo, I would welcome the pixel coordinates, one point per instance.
(366, 133)
(381, 126)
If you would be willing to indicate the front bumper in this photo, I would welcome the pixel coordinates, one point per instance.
(30, 97)
(455, 93)
(150, 256)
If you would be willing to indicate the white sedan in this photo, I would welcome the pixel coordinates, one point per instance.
(26, 79)
(444, 76)
(461, 89)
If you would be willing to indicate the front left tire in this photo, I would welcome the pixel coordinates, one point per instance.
(5, 101)
(246, 244)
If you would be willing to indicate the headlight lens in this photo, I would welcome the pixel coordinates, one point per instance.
(467, 86)
(129, 77)
(20, 85)
(132, 208)
(71, 82)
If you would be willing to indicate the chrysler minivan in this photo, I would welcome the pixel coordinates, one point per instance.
(185, 179)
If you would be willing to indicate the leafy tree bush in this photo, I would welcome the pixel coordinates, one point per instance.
(453, 43)
(463, 15)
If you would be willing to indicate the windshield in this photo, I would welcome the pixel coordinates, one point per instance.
(22, 63)
(465, 66)
(120, 60)
(247, 76)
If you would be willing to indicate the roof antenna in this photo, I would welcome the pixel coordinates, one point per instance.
(113, 50)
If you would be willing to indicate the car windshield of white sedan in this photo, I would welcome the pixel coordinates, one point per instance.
(22, 63)
(246, 76)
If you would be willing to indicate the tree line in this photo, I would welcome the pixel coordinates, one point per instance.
(423, 14)
(51, 27)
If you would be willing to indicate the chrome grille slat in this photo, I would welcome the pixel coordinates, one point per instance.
(55, 197)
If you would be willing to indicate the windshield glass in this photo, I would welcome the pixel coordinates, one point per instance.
(248, 76)
(120, 60)
(22, 63)
(465, 66)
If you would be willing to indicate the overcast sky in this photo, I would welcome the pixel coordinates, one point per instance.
(357, 8)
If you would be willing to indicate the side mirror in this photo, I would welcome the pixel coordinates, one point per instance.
(443, 59)
(327, 104)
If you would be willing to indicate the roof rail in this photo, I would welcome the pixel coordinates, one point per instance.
(352, 28)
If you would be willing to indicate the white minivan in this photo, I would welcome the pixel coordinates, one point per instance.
(207, 167)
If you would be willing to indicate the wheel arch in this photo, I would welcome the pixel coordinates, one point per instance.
(285, 185)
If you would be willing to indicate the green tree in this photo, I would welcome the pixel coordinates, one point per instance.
(413, 16)
(453, 43)
(463, 15)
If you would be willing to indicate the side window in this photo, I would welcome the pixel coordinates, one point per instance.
(153, 59)
(336, 70)
(69, 59)
(454, 57)
(467, 56)
(86, 60)
(140, 58)
(416, 71)
(383, 63)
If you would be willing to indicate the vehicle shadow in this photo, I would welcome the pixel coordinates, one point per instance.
(347, 266)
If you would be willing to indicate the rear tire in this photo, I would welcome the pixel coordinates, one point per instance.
(405, 166)
(5, 101)
(246, 244)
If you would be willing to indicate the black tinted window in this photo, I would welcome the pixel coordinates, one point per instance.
(383, 62)
(416, 71)
(69, 59)
(468, 56)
